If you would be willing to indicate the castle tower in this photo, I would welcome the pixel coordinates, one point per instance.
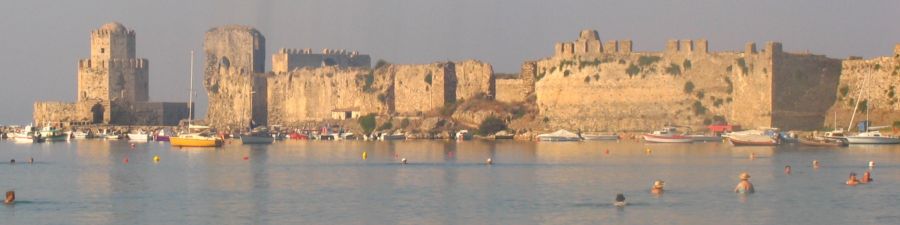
(112, 77)
(112, 41)
(233, 76)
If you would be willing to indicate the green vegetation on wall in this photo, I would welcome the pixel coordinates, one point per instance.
(367, 123)
(688, 87)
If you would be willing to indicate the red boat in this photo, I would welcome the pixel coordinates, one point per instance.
(298, 136)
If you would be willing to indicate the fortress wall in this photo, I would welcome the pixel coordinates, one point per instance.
(310, 94)
(45, 112)
(804, 88)
(474, 77)
(636, 91)
(512, 90)
(752, 78)
(422, 88)
(881, 91)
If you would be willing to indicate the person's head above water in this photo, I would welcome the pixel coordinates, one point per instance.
(10, 197)
(620, 197)
(744, 176)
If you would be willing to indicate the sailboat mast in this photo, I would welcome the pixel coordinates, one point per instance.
(191, 93)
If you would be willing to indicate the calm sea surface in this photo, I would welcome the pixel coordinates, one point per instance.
(317, 182)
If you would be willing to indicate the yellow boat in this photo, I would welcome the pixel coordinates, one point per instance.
(195, 140)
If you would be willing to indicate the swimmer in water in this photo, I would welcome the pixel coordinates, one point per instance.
(744, 187)
(787, 170)
(12, 161)
(852, 181)
(867, 177)
(816, 164)
(620, 200)
(657, 187)
(10, 197)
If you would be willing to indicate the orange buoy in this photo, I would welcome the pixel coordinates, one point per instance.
(246, 157)
(125, 161)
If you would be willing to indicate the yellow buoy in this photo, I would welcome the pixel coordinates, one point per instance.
(155, 158)
(365, 155)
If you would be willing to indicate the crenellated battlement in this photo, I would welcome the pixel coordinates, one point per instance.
(687, 46)
(772, 47)
(113, 63)
(589, 44)
(309, 51)
(287, 59)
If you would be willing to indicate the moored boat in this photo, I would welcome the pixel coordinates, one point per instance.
(705, 138)
(163, 135)
(667, 135)
(257, 136)
(503, 135)
(139, 136)
(52, 134)
(27, 135)
(600, 137)
(392, 137)
(559, 135)
(872, 137)
(822, 142)
(196, 140)
(752, 140)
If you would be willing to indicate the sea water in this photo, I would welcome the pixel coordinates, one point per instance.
(444, 182)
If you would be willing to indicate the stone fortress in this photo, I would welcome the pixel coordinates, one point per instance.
(585, 85)
(113, 87)
(590, 85)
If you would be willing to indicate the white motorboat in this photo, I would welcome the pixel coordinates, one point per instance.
(667, 135)
(79, 135)
(28, 135)
(559, 135)
(139, 136)
(392, 137)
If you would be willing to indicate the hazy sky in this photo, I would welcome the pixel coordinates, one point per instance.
(42, 40)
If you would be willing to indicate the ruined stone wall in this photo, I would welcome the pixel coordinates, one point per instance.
(310, 94)
(235, 60)
(286, 60)
(154, 113)
(878, 80)
(422, 88)
(474, 77)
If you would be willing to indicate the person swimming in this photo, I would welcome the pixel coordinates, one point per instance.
(657, 187)
(744, 186)
(620, 200)
(10, 197)
(12, 161)
(852, 181)
(787, 170)
(867, 177)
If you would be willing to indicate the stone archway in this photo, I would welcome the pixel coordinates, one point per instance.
(97, 112)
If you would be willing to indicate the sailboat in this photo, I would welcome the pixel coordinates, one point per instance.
(202, 138)
(867, 133)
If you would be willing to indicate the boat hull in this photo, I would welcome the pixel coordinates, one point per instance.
(558, 139)
(162, 138)
(600, 137)
(667, 138)
(744, 142)
(705, 138)
(823, 143)
(192, 142)
(872, 140)
(138, 137)
(248, 140)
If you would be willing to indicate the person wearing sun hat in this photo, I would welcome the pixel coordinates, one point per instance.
(657, 187)
(744, 186)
